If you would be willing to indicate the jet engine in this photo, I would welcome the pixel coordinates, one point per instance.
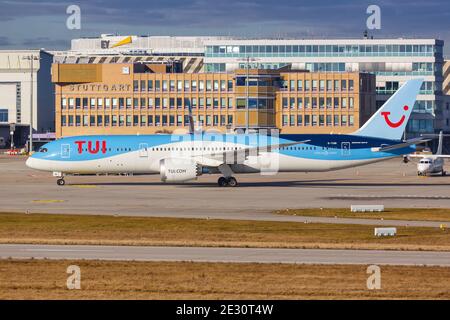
(179, 170)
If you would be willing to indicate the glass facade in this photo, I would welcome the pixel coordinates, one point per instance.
(242, 51)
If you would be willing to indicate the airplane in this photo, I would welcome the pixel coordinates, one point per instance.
(185, 157)
(430, 164)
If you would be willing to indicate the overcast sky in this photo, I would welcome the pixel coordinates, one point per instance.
(42, 24)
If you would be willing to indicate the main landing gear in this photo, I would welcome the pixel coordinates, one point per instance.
(227, 182)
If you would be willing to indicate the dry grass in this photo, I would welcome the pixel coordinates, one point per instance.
(41, 279)
(437, 214)
(109, 230)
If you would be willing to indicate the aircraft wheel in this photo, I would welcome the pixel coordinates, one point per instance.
(232, 182)
(222, 182)
(444, 173)
(60, 182)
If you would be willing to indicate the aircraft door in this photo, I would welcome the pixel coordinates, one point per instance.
(143, 150)
(65, 151)
(345, 149)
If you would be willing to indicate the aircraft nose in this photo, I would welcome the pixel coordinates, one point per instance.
(32, 163)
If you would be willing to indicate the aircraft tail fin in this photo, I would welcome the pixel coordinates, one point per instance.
(390, 120)
(441, 140)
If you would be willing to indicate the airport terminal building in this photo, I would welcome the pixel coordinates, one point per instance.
(17, 90)
(150, 97)
(392, 61)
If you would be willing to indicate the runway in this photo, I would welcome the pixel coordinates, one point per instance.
(236, 255)
(391, 183)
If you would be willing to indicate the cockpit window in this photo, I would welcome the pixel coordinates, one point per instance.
(43, 150)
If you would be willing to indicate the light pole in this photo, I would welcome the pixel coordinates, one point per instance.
(31, 58)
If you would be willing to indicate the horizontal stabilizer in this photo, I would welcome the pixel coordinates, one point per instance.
(404, 144)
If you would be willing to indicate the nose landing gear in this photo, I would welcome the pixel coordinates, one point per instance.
(60, 182)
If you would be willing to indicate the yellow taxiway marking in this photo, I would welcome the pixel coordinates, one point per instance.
(48, 201)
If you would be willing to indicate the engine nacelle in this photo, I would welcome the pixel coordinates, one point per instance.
(179, 170)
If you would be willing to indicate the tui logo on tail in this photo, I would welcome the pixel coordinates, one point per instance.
(394, 124)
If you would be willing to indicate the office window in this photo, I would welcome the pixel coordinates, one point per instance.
(172, 102)
(299, 120)
(150, 85)
(63, 103)
(135, 120)
(351, 120)
(150, 120)
(157, 103)
(85, 103)
(179, 102)
(157, 120)
(164, 85)
(194, 103)
(230, 103)
(336, 103)
(71, 103)
(165, 103)
(329, 103)
(344, 120)
(300, 85)
(143, 86)
(216, 103)
(114, 121)
(344, 103)
(179, 120)
(143, 121)
(307, 120)
(285, 103)
(351, 85)
(99, 120)
(329, 120)
(208, 102)
(299, 103)
(292, 120)
(100, 103)
(292, 103)
(292, 85)
(143, 102)
(194, 85)
(187, 85)
(314, 120)
(350, 102)
(77, 103)
(85, 120)
(321, 120)
(307, 87)
(285, 119)
(121, 120)
(322, 85)
(172, 85)
(157, 85)
(201, 85)
(314, 85)
(128, 123)
(230, 85)
(344, 85)
(107, 121)
(70, 121)
(208, 85)
(180, 85)
(129, 101)
(201, 102)
(314, 102)
(77, 121)
(63, 119)
(135, 85)
(150, 103)
(230, 119)
(121, 103)
(321, 103)
(107, 103)
(336, 85)
(92, 121)
(307, 102)
(329, 85)
(216, 85)
(223, 85)
(136, 103)
(336, 120)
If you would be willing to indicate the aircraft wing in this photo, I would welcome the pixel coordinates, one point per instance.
(404, 144)
(218, 158)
